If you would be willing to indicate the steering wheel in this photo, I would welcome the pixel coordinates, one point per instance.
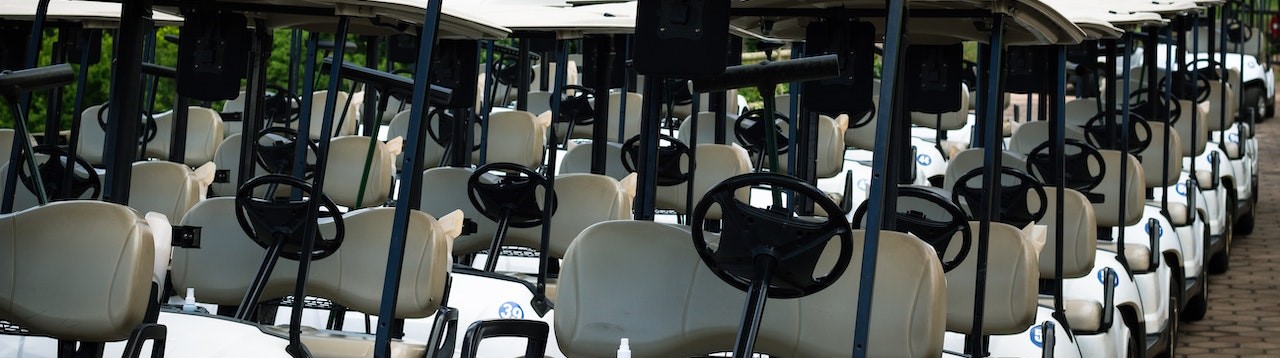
(1237, 32)
(1167, 111)
(83, 178)
(796, 243)
(148, 121)
(1012, 197)
(935, 231)
(863, 119)
(1211, 70)
(1201, 82)
(276, 150)
(669, 158)
(1078, 159)
(577, 107)
(270, 219)
(507, 71)
(278, 106)
(445, 122)
(1096, 134)
(750, 131)
(501, 189)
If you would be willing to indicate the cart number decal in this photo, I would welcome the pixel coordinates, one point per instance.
(510, 309)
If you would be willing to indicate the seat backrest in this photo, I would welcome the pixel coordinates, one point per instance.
(168, 188)
(93, 139)
(950, 120)
(204, 133)
(227, 158)
(571, 75)
(643, 281)
(345, 174)
(1080, 110)
(706, 128)
(88, 281)
(1154, 158)
(432, 151)
(1013, 278)
(6, 143)
(1079, 234)
(969, 159)
(1108, 211)
(715, 163)
(1215, 106)
(615, 103)
(864, 137)
(354, 274)
(222, 269)
(1027, 136)
(1183, 126)
(444, 189)
(342, 125)
(578, 160)
(540, 102)
(582, 200)
(515, 137)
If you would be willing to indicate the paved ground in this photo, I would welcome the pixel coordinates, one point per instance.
(1244, 304)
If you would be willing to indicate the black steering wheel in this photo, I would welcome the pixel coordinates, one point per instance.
(275, 150)
(750, 131)
(1210, 69)
(278, 107)
(577, 108)
(1167, 111)
(273, 219)
(148, 121)
(507, 71)
(863, 119)
(510, 191)
(1012, 196)
(1079, 160)
(935, 231)
(445, 122)
(670, 172)
(796, 243)
(1096, 133)
(1237, 32)
(1200, 93)
(52, 171)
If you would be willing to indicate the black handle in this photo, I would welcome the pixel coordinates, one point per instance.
(35, 79)
(797, 70)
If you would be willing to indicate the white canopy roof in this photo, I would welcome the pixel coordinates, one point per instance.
(89, 14)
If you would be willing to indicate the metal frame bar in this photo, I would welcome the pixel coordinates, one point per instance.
(410, 178)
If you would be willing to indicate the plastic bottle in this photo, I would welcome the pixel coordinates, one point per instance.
(624, 349)
(189, 304)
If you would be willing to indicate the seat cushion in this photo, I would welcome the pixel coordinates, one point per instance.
(1083, 315)
(1139, 256)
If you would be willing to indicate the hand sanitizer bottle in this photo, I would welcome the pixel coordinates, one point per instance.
(624, 350)
(189, 304)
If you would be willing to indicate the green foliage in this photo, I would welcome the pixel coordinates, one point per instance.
(97, 86)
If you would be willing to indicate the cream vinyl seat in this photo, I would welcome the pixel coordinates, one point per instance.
(93, 139)
(1154, 161)
(949, 120)
(346, 172)
(515, 137)
(1079, 243)
(632, 119)
(1029, 135)
(223, 268)
(715, 163)
(204, 134)
(344, 116)
(582, 200)
(1214, 106)
(578, 160)
(706, 128)
(1108, 211)
(643, 280)
(168, 188)
(103, 266)
(227, 158)
(444, 189)
(971, 159)
(432, 153)
(1013, 277)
